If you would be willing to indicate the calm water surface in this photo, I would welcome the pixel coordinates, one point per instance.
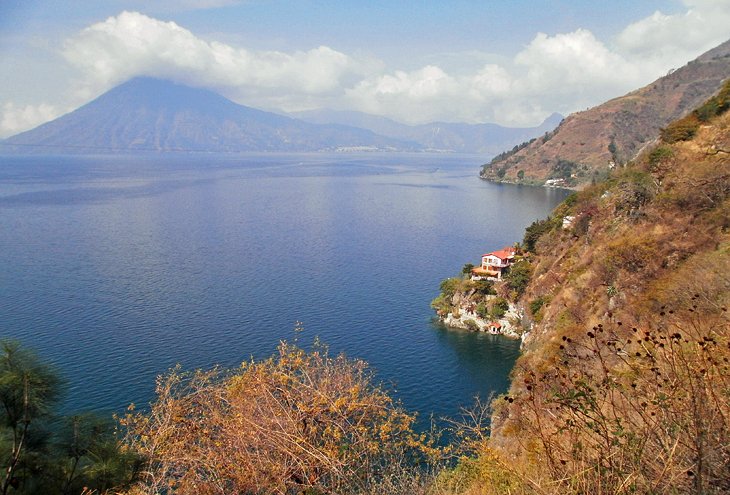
(117, 268)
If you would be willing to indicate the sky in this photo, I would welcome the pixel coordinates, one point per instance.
(511, 62)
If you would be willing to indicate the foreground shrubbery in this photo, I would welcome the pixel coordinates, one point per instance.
(637, 410)
(295, 423)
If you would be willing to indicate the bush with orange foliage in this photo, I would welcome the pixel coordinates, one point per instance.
(297, 422)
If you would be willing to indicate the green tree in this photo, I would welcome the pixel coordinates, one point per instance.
(537, 304)
(41, 452)
(89, 454)
(518, 277)
(467, 268)
(484, 287)
(482, 310)
(499, 307)
(28, 391)
(449, 286)
(535, 231)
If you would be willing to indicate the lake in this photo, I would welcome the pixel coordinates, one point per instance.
(117, 268)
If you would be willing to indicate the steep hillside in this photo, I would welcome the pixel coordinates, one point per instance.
(147, 114)
(442, 136)
(588, 144)
(624, 382)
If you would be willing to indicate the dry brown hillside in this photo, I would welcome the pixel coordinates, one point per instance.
(624, 382)
(587, 144)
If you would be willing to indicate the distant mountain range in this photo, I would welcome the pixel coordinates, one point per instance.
(146, 114)
(437, 136)
(587, 144)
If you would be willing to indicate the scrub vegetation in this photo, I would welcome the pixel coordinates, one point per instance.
(623, 382)
(298, 422)
(623, 386)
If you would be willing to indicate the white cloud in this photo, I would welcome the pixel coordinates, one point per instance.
(423, 94)
(553, 73)
(562, 72)
(132, 44)
(570, 62)
(15, 119)
(491, 81)
(422, 84)
(565, 72)
(672, 40)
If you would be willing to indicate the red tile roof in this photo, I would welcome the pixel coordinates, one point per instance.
(503, 254)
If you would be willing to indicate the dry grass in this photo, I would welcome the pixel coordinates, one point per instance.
(623, 387)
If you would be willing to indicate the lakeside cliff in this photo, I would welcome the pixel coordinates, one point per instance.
(624, 381)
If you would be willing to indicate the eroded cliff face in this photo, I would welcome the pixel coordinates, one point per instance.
(624, 376)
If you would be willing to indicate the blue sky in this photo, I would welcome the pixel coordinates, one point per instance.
(510, 61)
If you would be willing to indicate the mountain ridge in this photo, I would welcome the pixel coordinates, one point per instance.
(441, 136)
(589, 143)
(148, 114)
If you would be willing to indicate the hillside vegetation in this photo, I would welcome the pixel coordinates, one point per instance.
(624, 385)
(590, 143)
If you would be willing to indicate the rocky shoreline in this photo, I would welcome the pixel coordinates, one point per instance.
(465, 317)
(484, 298)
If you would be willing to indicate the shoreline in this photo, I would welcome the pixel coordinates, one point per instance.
(467, 319)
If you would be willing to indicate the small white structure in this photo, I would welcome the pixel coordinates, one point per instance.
(494, 327)
(555, 183)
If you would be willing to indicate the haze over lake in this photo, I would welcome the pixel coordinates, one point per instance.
(117, 268)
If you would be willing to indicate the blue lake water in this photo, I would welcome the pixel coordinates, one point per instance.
(117, 268)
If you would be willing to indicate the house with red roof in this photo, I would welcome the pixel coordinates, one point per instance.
(494, 264)
(494, 327)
